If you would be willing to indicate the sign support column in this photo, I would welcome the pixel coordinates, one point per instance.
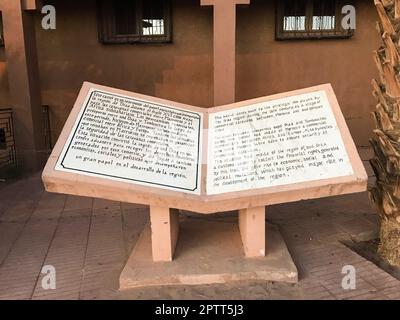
(251, 220)
(224, 48)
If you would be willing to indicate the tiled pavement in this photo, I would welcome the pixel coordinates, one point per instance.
(88, 241)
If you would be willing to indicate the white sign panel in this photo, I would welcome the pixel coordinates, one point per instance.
(127, 139)
(285, 141)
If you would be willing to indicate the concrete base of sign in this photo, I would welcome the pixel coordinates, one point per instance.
(208, 251)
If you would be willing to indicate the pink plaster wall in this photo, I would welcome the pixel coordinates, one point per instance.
(183, 71)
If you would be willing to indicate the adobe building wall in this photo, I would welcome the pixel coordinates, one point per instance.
(71, 54)
(265, 66)
(182, 70)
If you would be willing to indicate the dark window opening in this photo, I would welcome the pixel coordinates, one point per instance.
(310, 19)
(324, 15)
(1, 31)
(3, 142)
(125, 17)
(294, 16)
(153, 18)
(133, 21)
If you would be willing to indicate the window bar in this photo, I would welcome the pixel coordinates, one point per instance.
(8, 156)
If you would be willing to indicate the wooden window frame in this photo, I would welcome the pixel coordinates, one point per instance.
(309, 34)
(106, 25)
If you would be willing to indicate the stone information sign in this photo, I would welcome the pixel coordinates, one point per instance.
(285, 141)
(124, 138)
(256, 144)
(131, 148)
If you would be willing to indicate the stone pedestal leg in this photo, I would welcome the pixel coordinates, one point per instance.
(252, 231)
(164, 232)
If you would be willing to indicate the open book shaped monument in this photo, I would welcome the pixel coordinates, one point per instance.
(129, 147)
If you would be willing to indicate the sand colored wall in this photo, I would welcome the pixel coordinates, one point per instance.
(182, 70)
(265, 66)
(72, 54)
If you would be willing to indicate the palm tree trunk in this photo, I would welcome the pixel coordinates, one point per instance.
(385, 194)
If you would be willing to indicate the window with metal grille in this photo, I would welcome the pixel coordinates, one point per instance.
(310, 19)
(7, 142)
(133, 21)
